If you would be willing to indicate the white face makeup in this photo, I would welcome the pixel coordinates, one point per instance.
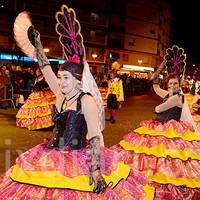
(67, 82)
(173, 86)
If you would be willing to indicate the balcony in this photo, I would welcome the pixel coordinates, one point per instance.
(6, 27)
(99, 59)
(90, 20)
(94, 39)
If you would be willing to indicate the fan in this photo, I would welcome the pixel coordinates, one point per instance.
(23, 33)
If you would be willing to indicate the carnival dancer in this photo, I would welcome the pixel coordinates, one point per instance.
(167, 148)
(65, 167)
(195, 111)
(36, 111)
(103, 90)
(115, 94)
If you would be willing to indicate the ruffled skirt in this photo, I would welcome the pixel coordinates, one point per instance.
(41, 173)
(196, 118)
(169, 153)
(36, 111)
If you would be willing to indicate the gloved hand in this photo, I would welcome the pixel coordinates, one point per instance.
(99, 182)
(42, 58)
(95, 174)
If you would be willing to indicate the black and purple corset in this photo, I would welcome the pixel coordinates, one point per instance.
(70, 128)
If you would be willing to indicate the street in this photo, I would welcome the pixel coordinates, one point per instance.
(16, 140)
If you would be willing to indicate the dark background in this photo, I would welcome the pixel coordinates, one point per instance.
(186, 29)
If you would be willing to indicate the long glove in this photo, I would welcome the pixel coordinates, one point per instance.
(95, 174)
(42, 59)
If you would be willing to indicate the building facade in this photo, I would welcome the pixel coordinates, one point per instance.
(141, 35)
(136, 33)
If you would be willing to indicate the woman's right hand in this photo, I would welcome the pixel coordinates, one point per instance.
(99, 182)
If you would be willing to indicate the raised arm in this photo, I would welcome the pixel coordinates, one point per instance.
(45, 65)
(170, 103)
(160, 92)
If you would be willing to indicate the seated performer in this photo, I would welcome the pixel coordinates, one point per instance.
(65, 166)
(167, 148)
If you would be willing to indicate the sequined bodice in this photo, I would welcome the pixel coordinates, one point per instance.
(70, 128)
(172, 113)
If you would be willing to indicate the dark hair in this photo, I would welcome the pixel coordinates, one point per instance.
(75, 69)
(173, 76)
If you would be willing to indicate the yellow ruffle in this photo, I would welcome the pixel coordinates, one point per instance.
(169, 133)
(164, 179)
(42, 96)
(34, 115)
(43, 104)
(39, 126)
(197, 120)
(150, 191)
(54, 179)
(161, 151)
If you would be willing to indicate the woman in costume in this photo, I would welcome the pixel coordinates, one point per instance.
(167, 148)
(195, 111)
(104, 89)
(115, 94)
(36, 111)
(65, 167)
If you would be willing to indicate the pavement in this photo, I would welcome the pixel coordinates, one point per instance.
(16, 140)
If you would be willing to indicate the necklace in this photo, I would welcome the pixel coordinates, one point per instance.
(65, 104)
(71, 97)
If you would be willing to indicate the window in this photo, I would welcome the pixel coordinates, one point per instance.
(145, 60)
(152, 30)
(132, 26)
(125, 57)
(151, 45)
(153, 15)
(133, 9)
(132, 42)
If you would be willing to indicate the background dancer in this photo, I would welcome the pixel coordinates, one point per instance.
(167, 148)
(115, 94)
(36, 111)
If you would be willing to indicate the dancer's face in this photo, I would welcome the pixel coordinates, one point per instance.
(67, 82)
(173, 86)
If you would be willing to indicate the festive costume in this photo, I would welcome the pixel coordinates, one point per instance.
(36, 111)
(165, 148)
(64, 166)
(115, 94)
(195, 111)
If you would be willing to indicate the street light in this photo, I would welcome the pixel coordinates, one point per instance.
(94, 55)
(46, 50)
(140, 61)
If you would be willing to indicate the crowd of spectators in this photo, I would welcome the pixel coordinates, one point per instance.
(16, 81)
(130, 85)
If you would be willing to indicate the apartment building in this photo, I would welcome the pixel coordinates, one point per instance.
(136, 33)
(140, 33)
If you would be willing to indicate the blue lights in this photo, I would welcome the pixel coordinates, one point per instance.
(25, 58)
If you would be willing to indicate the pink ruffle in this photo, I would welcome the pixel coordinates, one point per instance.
(38, 121)
(169, 191)
(41, 158)
(180, 127)
(39, 114)
(42, 94)
(170, 143)
(177, 168)
(35, 111)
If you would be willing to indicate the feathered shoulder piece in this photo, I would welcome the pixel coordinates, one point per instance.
(68, 27)
(175, 60)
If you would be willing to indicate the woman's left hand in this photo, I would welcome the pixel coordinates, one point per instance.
(99, 182)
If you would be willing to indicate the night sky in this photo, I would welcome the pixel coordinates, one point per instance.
(186, 29)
